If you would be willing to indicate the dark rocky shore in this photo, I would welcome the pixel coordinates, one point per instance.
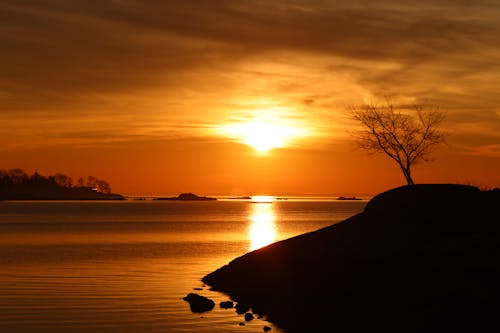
(424, 258)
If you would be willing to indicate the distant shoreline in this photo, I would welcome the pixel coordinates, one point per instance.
(69, 197)
(15, 184)
(280, 198)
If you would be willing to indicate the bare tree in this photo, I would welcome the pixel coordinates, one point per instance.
(103, 186)
(63, 180)
(81, 182)
(407, 137)
(91, 181)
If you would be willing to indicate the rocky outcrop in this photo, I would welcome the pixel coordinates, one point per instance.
(187, 197)
(419, 258)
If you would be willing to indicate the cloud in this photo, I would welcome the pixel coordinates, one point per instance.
(175, 62)
(109, 45)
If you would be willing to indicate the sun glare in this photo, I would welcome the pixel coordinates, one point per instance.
(264, 136)
(262, 198)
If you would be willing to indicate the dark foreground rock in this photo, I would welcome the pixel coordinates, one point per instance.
(199, 303)
(418, 259)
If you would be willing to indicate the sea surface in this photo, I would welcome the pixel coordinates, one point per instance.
(124, 266)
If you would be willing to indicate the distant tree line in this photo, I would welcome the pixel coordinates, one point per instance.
(18, 177)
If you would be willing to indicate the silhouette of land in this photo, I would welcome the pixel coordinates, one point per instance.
(246, 197)
(187, 197)
(348, 198)
(419, 258)
(15, 184)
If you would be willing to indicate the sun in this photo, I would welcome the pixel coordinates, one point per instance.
(263, 136)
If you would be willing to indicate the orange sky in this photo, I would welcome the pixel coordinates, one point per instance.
(142, 93)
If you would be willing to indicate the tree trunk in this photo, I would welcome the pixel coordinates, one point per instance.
(407, 174)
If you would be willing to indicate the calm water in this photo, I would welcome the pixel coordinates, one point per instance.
(125, 266)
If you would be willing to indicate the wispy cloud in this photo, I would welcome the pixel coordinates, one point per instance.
(147, 68)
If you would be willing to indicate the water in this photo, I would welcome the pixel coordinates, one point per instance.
(125, 266)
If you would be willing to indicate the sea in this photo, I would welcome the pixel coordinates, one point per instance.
(125, 266)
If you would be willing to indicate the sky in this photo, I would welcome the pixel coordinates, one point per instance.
(161, 97)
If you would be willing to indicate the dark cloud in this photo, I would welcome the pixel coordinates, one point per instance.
(113, 45)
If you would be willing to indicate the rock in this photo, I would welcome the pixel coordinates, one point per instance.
(187, 197)
(241, 308)
(199, 303)
(348, 198)
(266, 328)
(418, 257)
(242, 324)
(248, 316)
(226, 305)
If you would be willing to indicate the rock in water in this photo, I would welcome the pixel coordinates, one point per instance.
(226, 305)
(199, 303)
(241, 308)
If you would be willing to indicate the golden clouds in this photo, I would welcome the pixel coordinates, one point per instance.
(90, 73)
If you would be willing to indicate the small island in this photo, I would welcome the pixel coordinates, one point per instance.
(187, 197)
(348, 198)
(15, 184)
(246, 197)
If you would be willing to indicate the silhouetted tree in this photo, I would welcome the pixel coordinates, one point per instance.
(63, 180)
(16, 181)
(81, 182)
(406, 137)
(36, 178)
(91, 181)
(17, 176)
(103, 186)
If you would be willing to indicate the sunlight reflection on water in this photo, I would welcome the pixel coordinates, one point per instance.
(79, 267)
(262, 230)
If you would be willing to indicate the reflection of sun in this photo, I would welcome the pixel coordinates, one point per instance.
(262, 228)
(262, 198)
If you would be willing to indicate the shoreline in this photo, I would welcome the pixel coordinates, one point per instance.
(97, 197)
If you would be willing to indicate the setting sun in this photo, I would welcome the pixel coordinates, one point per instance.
(264, 135)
